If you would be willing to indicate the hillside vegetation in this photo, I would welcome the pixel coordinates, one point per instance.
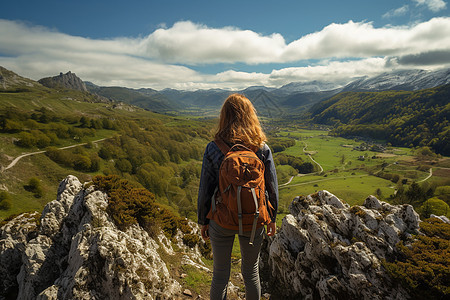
(160, 153)
(401, 118)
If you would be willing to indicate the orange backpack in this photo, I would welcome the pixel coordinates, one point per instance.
(239, 202)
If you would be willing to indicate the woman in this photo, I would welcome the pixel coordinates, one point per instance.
(238, 124)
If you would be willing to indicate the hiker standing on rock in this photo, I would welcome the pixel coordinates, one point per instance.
(238, 194)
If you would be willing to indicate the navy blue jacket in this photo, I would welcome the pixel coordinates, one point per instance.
(209, 179)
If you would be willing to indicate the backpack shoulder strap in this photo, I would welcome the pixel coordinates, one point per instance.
(222, 146)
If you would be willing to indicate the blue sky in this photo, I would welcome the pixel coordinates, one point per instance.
(222, 44)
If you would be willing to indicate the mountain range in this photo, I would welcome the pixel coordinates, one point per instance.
(292, 98)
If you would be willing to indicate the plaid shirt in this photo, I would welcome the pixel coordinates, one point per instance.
(209, 179)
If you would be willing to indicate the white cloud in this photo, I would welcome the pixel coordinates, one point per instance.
(166, 57)
(401, 11)
(191, 43)
(363, 40)
(433, 5)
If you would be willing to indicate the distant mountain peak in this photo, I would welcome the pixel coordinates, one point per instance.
(308, 86)
(69, 81)
(409, 80)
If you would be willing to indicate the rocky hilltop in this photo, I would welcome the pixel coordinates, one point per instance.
(329, 250)
(10, 81)
(73, 250)
(325, 249)
(68, 81)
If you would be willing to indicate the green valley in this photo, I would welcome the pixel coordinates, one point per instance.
(163, 153)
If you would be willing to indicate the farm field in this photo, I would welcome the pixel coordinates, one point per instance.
(347, 173)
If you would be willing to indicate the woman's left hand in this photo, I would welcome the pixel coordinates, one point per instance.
(205, 232)
(271, 228)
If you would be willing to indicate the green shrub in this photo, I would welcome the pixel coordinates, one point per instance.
(26, 140)
(422, 267)
(129, 204)
(5, 200)
(124, 165)
(34, 186)
(191, 240)
(434, 206)
(81, 162)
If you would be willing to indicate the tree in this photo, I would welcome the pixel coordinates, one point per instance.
(379, 193)
(34, 186)
(415, 194)
(26, 140)
(124, 165)
(5, 201)
(81, 162)
(434, 206)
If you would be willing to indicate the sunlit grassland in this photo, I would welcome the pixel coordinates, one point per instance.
(47, 171)
(352, 189)
(347, 173)
(337, 153)
(50, 175)
(71, 102)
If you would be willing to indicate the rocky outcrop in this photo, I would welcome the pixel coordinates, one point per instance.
(74, 251)
(68, 81)
(325, 249)
(329, 250)
(10, 81)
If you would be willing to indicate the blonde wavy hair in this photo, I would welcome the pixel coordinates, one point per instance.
(239, 124)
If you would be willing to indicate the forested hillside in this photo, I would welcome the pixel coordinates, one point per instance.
(160, 153)
(402, 118)
(145, 98)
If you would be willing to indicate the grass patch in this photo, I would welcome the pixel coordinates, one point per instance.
(196, 280)
(351, 189)
(50, 175)
(346, 174)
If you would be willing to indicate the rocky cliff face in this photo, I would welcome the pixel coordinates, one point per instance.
(68, 80)
(74, 251)
(328, 250)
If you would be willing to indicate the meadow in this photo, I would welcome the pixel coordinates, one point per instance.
(347, 173)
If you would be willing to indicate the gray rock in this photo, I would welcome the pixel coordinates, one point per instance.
(330, 250)
(68, 81)
(78, 253)
(442, 218)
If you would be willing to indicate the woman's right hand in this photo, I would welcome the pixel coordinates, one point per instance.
(205, 232)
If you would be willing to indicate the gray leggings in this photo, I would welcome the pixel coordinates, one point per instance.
(222, 243)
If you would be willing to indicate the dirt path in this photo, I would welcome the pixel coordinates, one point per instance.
(309, 155)
(428, 177)
(289, 181)
(14, 162)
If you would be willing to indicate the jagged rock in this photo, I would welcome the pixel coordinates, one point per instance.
(442, 218)
(14, 237)
(76, 252)
(187, 293)
(68, 80)
(329, 250)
